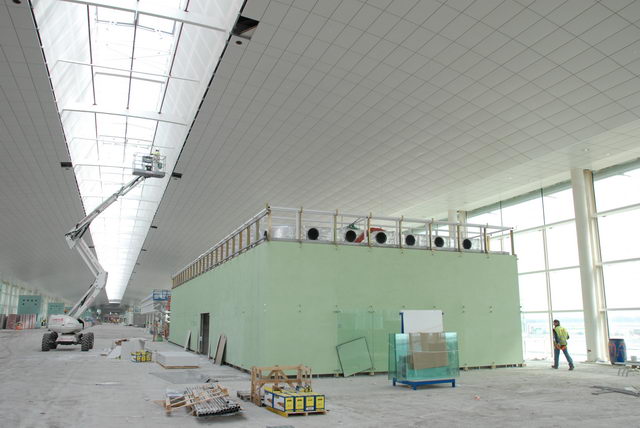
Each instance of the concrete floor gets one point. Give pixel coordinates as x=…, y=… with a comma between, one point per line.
x=63, y=388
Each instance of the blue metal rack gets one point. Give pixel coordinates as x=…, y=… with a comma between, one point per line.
x=416, y=383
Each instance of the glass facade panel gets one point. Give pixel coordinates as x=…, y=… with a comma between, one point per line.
x=523, y=215
x=533, y=292
x=558, y=206
x=536, y=336
x=493, y=218
x=574, y=323
x=617, y=191
x=620, y=235
x=626, y=325
x=562, y=246
x=622, y=284
x=530, y=251
x=566, y=289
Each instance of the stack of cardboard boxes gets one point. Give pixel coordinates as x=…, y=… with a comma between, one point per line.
x=427, y=350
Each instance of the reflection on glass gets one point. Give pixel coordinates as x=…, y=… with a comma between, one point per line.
x=620, y=235
x=533, y=292
x=562, y=246
x=617, y=191
x=523, y=215
x=558, y=206
x=621, y=284
x=574, y=323
x=536, y=336
x=566, y=289
x=626, y=325
x=530, y=251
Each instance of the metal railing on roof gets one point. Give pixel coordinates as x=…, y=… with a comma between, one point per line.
x=338, y=228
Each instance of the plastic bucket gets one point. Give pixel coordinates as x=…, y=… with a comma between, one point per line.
x=617, y=351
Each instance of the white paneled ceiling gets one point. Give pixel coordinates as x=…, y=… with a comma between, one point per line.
x=397, y=107
x=38, y=200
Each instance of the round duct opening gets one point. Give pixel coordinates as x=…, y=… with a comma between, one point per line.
x=350, y=236
x=439, y=241
x=381, y=238
x=313, y=234
x=466, y=244
x=410, y=240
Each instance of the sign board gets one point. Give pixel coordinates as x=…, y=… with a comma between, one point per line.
x=421, y=321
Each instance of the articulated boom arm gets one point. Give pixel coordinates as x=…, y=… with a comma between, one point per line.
x=74, y=240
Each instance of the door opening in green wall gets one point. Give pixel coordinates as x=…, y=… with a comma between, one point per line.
x=203, y=340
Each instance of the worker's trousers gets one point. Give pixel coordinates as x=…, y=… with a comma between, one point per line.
x=556, y=356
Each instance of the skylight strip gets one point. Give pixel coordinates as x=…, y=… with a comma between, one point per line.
x=103, y=147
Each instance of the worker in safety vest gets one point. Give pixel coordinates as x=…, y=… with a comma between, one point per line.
x=157, y=160
x=560, y=338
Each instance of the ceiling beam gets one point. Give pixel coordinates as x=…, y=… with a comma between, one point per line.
x=157, y=12
x=150, y=115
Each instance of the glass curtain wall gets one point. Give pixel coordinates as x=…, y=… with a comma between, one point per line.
x=617, y=195
x=548, y=267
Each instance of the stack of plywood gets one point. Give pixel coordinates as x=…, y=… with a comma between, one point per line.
x=177, y=359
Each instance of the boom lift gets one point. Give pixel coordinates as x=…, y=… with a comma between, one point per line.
x=67, y=329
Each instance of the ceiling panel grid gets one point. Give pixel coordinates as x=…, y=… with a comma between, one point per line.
x=401, y=107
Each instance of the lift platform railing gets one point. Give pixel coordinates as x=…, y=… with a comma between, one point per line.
x=341, y=228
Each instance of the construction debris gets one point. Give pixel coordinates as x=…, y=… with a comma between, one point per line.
x=202, y=400
x=244, y=395
x=630, y=390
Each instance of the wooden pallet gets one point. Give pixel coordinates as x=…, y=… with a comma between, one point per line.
x=277, y=375
x=287, y=414
x=179, y=367
x=244, y=395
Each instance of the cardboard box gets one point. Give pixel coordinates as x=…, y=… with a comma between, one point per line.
x=288, y=400
x=427, y=350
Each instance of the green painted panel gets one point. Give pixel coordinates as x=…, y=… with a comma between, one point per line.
x=289, y=303
x=55, y=308
x=28, y=305
x=232, y=295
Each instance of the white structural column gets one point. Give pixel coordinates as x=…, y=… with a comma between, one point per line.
x=452, y=216
x=581, y=183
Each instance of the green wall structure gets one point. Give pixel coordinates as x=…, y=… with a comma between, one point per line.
x=55, y=308
x=293, y=303
x=28, y=305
